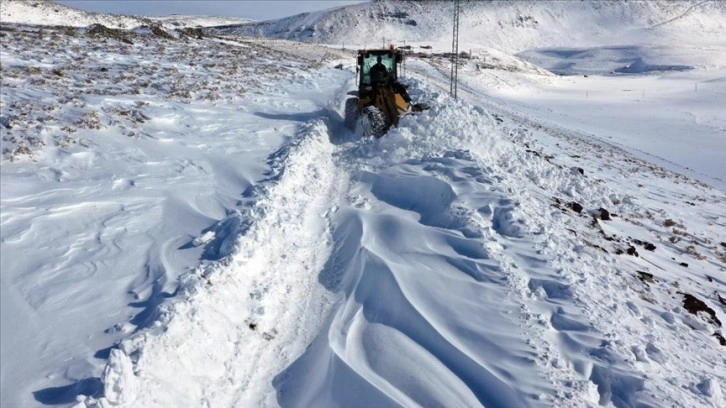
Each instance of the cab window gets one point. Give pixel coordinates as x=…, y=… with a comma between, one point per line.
x=370, y=60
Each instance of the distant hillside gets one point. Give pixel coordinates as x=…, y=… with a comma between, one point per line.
x=198, y=21
x=47, y=12
x=512, y=26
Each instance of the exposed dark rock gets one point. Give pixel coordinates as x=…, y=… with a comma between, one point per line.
x=695, y=305
x=683, y=264
x=647, y=245
x=645, y=277
x=159, y=32
x=720, y=338
x=576, y=207
x=590, y=244
x=192, y=32
x=604, y=214
x=103, y=31
x=631, y=251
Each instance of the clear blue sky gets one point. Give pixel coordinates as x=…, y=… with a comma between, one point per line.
x=252, y=9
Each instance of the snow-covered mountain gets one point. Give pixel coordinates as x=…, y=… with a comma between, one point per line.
x=511, y=26
x=185, y=220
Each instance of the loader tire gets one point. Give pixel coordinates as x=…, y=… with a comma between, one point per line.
x=373, y=122
x=351, y=113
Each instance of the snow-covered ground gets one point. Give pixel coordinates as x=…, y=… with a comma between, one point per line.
x=680, y=91
x=186, y=222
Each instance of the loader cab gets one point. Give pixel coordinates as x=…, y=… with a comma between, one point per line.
x=367, y=58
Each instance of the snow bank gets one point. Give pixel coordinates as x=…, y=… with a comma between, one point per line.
x=244, y=318
x=119, y=381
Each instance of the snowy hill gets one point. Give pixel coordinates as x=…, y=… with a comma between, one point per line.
x=511, y=26
x=198, y=21
x=185, y=220
x=47, y=12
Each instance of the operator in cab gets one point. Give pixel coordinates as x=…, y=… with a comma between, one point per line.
x=379, y=72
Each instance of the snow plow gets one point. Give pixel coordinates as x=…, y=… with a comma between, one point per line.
x=380, y=99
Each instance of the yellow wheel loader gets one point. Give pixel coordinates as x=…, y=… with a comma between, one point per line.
x=380, y=99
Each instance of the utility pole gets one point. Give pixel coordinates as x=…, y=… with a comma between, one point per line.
x=455, y=52
x=403, y=60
